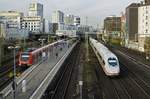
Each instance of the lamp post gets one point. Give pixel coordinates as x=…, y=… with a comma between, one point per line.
x=14, y=72
x=42, y=40
x=43, y=53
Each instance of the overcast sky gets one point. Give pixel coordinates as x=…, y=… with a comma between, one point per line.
x=95, y=10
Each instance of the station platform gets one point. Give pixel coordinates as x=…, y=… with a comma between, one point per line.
x=39, y=76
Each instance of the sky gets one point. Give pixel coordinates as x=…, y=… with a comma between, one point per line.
x=95, y=10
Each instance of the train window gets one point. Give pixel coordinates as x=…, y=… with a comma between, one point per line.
x=103, y=62
x=25, y=57
x=112, y=62
x=99, y=56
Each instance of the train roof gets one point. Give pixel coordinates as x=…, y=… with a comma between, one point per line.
x=25, y=53
x=30, y=49
x=103, y=50
x=37, y=50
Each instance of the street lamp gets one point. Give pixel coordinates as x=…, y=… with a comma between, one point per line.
x=14, y=73
x=43, y=53
x=42, y=40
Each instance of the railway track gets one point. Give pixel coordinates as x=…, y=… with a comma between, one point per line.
x=133, y=82
x=4, y=81
x=4, y=78
x=122, y=88
x=5, y=71
x=131, y=51
x=137, y=78
x=71, y=90
x=63, y=83
x=133, y=54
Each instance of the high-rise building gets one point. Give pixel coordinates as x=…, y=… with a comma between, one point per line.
x=132, y=21
x=123, y=29
x=69, y=19
x=147, y=2
x=2, y=30
x=77, y=20
x=143, y=25
x=2, y=36
x=48, y=27
x=57, y=17
x=112, y=26
x=11, y=18
x=35, y=9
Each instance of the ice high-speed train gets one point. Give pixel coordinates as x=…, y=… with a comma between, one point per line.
x=106, y=58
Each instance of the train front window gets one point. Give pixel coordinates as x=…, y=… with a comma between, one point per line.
x=24, y=57
x=112, y=62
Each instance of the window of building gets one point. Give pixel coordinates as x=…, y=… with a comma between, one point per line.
x=146, y=23
x=146, y=17
x=146, y=31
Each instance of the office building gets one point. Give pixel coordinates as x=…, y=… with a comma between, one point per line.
x=143, y=25
x=2, y=30
x=13, y=19
x=69, y=19
x=33, y=24
x=132, y=21
x=112, y=26
x=68, y=33
x=35, y=9
x=48, y=27
x=57, y=17
x=147, y=2
x=77, y=20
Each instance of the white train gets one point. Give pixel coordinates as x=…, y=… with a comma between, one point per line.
x=107, y=59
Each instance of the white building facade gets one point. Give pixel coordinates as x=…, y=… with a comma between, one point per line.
x=48, y=27
x=34, y=24
x=57, y=17
x=143, y=25
x=2, y=30
x=72, y=20
x=77, y=20
x=69, y=19
x=11, y=18
x=35, y=9
x=68, y=33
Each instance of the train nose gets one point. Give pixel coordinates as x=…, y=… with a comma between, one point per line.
x=114, y=70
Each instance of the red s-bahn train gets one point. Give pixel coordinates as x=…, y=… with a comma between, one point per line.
x=32, y=56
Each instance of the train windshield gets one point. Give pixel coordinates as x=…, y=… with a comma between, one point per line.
x=25, y=56
x=112, y=62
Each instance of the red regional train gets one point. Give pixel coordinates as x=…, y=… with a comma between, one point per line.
x=32, y=56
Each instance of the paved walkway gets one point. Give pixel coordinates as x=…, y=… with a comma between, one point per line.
x=35, y=78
